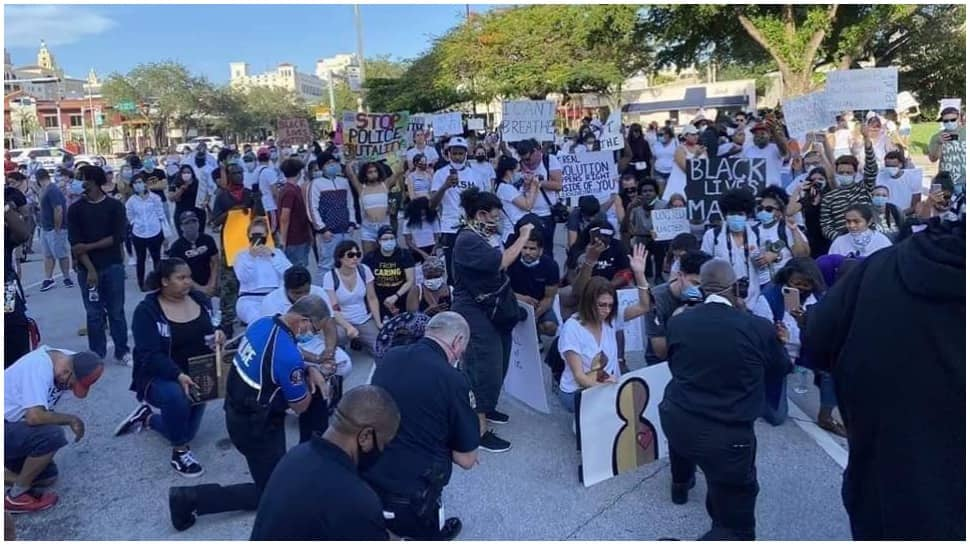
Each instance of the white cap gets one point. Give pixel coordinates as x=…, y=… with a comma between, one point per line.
x=107, y=169
x=690, y=129
x=458, y=142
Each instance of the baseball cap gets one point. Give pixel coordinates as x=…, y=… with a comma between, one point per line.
x=690, y=129
x=87, y=370
x=385, y=230
x=717, y=276
x=949, y=110
x=458, y=142
x=188, y=215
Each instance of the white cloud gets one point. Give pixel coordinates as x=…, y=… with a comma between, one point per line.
x=26, y=26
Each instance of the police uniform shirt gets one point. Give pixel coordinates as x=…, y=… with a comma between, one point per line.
x=269, y=361
x=437, y=417
x=315, y=493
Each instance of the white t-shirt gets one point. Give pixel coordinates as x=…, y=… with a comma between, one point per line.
x=663, y=155
x=794, y=344
x=423, y=235
x=267, y=176
x=735, y=256
x=485, y=169
x=773, y=158
x=430, y=155
x=29, y=382
x=542, y=208
x=843, y=245
x=278, y=303
x=575, y=338
x=353, y=304
x=451, y=202
x=902, y=189
x=511, y=211
x=260, y=274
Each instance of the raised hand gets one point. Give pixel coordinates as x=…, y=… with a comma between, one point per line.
x=638, y=261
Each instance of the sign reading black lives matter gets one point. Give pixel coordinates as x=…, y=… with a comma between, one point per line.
x=708, y=180
x=588, y=173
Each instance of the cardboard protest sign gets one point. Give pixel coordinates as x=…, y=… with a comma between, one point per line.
x=807, y=113
x=418, y=122
x=476, y=124
x=863, y=89
x=633, y=330
x=206, y=374
x=293, y=131
x=525, y=381
x=235, y=234
x=619, y=424
x=448, y=124
x=525, y=119
x=588, y=173
x=375, y=136
x=708, y=180
x=611, y=138
x=670, y=222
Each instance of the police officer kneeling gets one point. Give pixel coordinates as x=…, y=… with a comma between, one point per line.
x=315, y=492
x=438, y=426
x=719, y=355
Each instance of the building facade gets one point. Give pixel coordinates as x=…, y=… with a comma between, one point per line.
x=336, y=65
x=286, y=76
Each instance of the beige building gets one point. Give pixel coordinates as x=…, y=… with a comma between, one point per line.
x=337, y=65
x=40, y=80
x=286, y=76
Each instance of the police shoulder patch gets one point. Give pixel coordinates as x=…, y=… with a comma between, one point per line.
x=296, y=377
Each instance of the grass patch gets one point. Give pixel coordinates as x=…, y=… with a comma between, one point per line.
x=919, y=140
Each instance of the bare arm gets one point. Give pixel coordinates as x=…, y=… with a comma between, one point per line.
x=58, y=217
x=575, y=364
x=465, y=460
x=373, y=304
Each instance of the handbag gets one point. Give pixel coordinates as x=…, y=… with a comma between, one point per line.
x=501, y=306
x=560, y=212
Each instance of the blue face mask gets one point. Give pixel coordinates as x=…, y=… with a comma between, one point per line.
x=77, y=187
x=304, y=337
x=736, y=223
x=388, y=246
x=879, y=200
x=148, y=164
x=765, y=217
x=691, y=293
x=331, y=171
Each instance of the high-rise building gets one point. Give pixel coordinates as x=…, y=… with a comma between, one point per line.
x=286, y=76
x=44, y=80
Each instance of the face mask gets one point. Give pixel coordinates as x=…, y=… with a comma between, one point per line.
x=529, y=264
x=126, y=174
x=950, y=125
x=736, y=223
x=691, y=293
x=892, y=171
x=861, y=240
x=250, y=165
x=434, y=284
x=304, y=337
x=331, y=171
x=77, y=187
x=236, y=178
x=844, y=180
x=765, y=217
x=480, y=158
x=487, y=228
x=257, y=240
x=388, y=246
x=186, y=176
x=148, y=165
x=367, y=460
x=879, y=200
x=139, y=187
x=457, y=166
x=190, y=231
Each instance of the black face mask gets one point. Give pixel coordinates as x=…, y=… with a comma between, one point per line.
x=257, y=240
x=200, y=161
x=236, y=178
x=480, y=158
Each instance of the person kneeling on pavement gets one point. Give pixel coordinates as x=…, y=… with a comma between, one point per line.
x=535, y=282
x=438, y=427
x=32, y=432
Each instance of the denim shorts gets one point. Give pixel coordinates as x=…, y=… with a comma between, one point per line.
x=23, y=441
x=54, y=243
x=368, y=231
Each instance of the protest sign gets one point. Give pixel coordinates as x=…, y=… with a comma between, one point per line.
x=807, y=113
x=448, y=124
x=525, y=119
x=418, y=122
x=611, y=138
x=293, y=131
x=588, y=173
x=525, y=381
x=619, y=426
x=708, y=180
x=375, y=136
x=206, y=373
x=476, y=124
x=669, y=222
x=863, y=89
x=633, y=339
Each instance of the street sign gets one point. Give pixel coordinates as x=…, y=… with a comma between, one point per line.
x=353, y=78
x=322, y=113
x=125, y=106
x=98, y=117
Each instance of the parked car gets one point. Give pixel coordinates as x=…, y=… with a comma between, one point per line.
x=51, y=158
x=210, y=142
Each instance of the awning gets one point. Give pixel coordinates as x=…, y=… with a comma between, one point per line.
x=694, y=98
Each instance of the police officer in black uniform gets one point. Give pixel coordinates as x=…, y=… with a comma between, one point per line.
x=439, y=427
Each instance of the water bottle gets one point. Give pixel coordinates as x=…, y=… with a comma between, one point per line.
x=216, y=317
x=93, y=294
x=803, y=378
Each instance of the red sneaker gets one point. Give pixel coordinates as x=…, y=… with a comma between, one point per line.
x=27, y=503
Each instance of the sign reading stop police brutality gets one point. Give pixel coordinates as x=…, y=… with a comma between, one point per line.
x=293, y=132
x=708, y=180
x=588, y=173
x=375, y=136
x=525, y=119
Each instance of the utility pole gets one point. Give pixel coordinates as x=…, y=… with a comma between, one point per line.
x=333, y=103
x=360, y=54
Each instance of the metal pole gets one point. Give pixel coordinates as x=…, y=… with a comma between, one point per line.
x=84, y=133
x=94, y=122
x=360, y=53
x=333, y=103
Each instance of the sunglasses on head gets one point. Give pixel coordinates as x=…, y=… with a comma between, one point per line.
x=352, y=254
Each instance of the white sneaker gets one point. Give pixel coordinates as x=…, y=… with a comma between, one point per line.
x=127, y=360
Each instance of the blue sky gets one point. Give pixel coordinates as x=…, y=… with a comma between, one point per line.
x=206, y=38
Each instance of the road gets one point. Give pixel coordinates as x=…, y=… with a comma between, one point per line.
x=116, y=488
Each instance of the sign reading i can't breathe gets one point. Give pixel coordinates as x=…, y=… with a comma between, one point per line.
x=525, y=119
x=588, y=173
x=374, y=136
x=708, y=180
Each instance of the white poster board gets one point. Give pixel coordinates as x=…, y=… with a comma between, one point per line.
x=670, y=222
x=418, y=122
x=863, y=89
x=611, y=138
x=448, y=124
x=619, y=424
x=633, y=330
x=525, y=119
x=525, y=381
x=807, y=113
x=476, y=124
x=588, y=173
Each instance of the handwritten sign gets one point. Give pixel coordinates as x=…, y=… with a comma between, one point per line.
x=525, y=119
x=807, y=113
x=670, y=222
x=863, y=89
x=611, y=138
x=418, y=123
x=633, y=330
x=905, y=101
x=293, y=132
x=708, y=180
x=525, y=381
x=448, y=124
x=476, y=124
x=374, y=136
x=588, y=173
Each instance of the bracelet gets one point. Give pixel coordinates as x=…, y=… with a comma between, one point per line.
x=645, y=288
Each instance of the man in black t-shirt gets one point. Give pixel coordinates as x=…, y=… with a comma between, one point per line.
x=535, y=281
x=199, y=250
x=393, y=270
x=16, y=231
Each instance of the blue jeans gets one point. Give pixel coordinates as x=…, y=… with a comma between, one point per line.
x=179, y=420
x=298, y=254
x=568, y=400
x=826, y=389
x=325, y=251
x=111, y=293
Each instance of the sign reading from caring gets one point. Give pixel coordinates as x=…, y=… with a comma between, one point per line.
x=374, y=136
x=708, y=180
x=525, y=381
x=525, y=119
x=863, y=89
x=293, y=131
x=588, y=173
x=669, y=222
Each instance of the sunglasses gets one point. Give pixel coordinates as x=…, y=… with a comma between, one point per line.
x=950, y=120
x=352, y=255
x=766, y=209
x=604, y=305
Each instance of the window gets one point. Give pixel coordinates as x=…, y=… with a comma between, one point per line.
x=50, y=121
x=76, y=120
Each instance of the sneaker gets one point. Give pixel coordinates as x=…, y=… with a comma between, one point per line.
x=496, y=417
x=493, y=443
x=678, y=492
x=68, y=283
x=181, y=507
x=450, y=530
x=47, y=285
x=186, y=465
x=136, y=421
x=126, y=360
x=29, y=503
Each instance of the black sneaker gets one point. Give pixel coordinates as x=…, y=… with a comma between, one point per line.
x=450, y=530
x=678, y=492
x=493, y=443
x=181, y=507
x=47, y=285
x=136, y=421
x=68, y=283
x=185, y=464
x=496, y=417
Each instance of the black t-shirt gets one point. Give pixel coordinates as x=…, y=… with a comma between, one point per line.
x=188, y=339
x=389, y=271
x=476, y=265
x=532, y=281
x=613, y=260
x=187, y=202
x=437, y=417
x=315, y=494
x=197, y=255
x=89, y=222
x=224, y=201
x=14, y=304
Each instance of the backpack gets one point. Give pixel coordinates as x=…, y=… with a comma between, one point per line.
x=336, y=277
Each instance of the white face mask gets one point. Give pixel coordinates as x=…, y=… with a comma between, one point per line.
x=892, y=171
x=844, y=180
x=434, y=284
x=950, y=125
